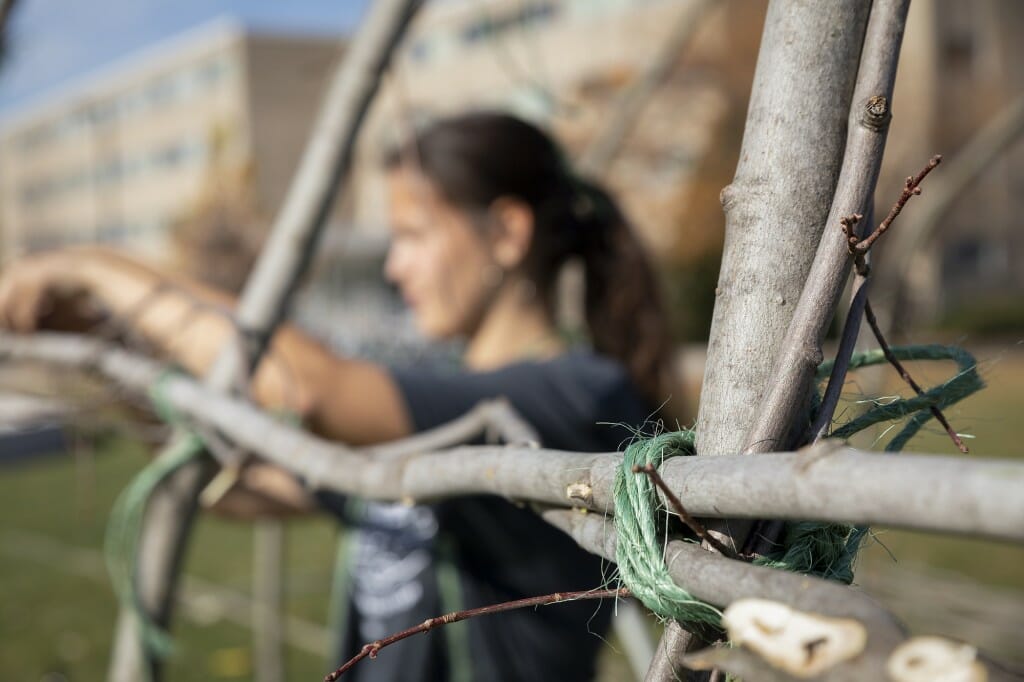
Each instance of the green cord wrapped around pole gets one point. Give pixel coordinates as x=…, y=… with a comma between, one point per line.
x=639, y=547
x=823, y=549
x=826, y=550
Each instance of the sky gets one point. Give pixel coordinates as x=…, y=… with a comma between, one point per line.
x=55, y=41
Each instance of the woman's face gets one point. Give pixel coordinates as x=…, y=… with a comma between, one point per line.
x=439, y=260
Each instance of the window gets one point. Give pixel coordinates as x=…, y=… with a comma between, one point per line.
x=212, y=71
x=420, y=50
x=161, y=92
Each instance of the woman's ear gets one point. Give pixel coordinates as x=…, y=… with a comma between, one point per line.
x=511, y=232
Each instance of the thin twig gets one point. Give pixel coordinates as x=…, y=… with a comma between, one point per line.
x=911, y=188
x=859, y=251
x=936, y=412
x=677, y=506
x=373, y=648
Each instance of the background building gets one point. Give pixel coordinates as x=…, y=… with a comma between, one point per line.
x=185, y=152
x=126, y=154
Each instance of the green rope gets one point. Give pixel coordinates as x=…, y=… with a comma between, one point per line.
x=965, y=382
x=125, y=523
x=826, y=550
x=638, y=546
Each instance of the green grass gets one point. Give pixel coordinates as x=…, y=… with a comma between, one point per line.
x=993, y=418
x=57, y=613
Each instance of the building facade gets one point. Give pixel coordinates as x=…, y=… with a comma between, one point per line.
x=125, y=154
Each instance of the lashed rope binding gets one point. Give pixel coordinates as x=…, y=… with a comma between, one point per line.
x=826, y=550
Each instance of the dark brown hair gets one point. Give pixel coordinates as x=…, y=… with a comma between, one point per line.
x=474, y=159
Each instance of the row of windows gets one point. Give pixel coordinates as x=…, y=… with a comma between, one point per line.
x=156, y=93
x=483, y=27
x=115, y=170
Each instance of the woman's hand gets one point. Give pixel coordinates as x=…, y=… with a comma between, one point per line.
x=47, y=290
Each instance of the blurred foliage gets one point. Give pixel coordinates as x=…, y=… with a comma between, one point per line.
x=690, y=297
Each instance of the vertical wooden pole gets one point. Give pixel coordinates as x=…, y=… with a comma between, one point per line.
x=268, y=600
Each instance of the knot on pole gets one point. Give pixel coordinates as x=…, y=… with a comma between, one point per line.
x=640, y=548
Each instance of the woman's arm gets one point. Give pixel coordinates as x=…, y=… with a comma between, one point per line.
x=349, y=400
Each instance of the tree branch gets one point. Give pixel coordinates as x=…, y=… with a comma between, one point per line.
x=797, y=120
x=992, y=140
x=911, y=189
x=826, y=482
x=628, y=108
x=836, y=379
x=372, y=649
x=677, y=506
x=668, y=662
x=262, y=305
x=721, y=581
x=868, y=126
x=905, y=375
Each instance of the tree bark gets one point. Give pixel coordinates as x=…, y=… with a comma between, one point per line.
x=870, y=114
x=720, y=581
x=775, y=209
x=262, y=305
x=776, y=206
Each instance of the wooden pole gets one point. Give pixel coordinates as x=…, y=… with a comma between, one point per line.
x=263, y=304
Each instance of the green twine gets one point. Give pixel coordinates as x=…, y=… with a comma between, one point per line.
x=125, y=523
x=638, y=547
x=965, y=382
x=826, y=550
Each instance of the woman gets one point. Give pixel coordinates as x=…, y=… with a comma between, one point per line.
x=485, y=212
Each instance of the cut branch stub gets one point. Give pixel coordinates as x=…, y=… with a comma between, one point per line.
x=801, y=644
x=876, y=113
x=935, y=659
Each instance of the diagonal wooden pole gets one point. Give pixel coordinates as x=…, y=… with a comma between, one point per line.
x=629, y=107
x=263, y=304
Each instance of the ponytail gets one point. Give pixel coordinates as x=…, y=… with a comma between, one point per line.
x=622, y=303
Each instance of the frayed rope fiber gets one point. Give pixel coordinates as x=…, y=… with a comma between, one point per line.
x=826, y=550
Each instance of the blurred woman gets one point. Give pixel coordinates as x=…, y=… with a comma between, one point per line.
x=485, y=211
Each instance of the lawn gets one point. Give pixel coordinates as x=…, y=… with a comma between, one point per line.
x=57, y=612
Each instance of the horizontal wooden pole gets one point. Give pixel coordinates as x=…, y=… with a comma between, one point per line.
x=828, y=482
